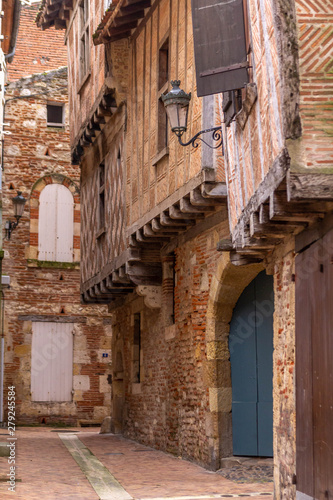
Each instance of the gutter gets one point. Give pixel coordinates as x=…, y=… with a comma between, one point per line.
x=16, y=22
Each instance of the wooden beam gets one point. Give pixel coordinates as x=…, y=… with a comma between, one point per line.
x=59, y=24
x=281, y=209
x=303, y=186
x=128, y=9
x=122, y=29
x=176, y=214
x=157, y=227
x=243, y=260
x=186, y=207
x=268, y=229
x=149, y=233
x=128, y=18
x=165, y=220
x=225, y=246
x=217, y=190
x=199, y=201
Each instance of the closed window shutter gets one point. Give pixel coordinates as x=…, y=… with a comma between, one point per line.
x=55, y=226
x=219, y=45
x=52, y=361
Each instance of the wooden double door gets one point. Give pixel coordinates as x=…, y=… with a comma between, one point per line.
x=314, y=371
x=251, y=356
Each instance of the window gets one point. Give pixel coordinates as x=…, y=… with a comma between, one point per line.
x=55, y=224
x=84, y=39
x=52, y=362
x=101, y=196
x=55, y=115
x=163, y=82
x=137, y=349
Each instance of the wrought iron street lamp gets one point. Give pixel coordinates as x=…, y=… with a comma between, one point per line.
x=176, y=104
x=18, y=203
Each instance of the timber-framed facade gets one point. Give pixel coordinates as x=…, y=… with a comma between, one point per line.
x=180, y=306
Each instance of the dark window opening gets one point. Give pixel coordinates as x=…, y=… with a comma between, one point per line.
x=137, y=349
x=101, y=200
x=84, y=39
x=163, y=83
x=163, y=64
x=55, y=115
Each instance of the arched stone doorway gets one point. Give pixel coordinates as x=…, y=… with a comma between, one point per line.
x=227, y=285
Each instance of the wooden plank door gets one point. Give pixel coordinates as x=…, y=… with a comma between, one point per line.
x=314, y=372
x=251, y=356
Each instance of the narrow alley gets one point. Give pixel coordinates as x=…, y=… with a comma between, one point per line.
x=109, y=467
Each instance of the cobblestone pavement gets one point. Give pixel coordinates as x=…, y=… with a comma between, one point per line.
x=46, y=469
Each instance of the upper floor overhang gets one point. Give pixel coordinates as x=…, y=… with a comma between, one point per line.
x=197, y=206
x=286, y=203
x=121, y=18
x=54, y=13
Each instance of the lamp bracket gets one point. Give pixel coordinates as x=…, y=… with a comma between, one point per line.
x=216, y=136
x=11, y=225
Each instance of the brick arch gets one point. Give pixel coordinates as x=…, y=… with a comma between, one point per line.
x=36, y=190
x=227, y=285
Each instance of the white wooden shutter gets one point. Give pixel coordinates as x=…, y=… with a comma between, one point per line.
x=52, y=361
x=55, y=225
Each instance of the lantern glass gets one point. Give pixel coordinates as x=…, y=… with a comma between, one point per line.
x=176, y=104
x=18, y=203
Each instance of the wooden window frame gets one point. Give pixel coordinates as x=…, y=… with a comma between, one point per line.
x=56, y=124
x=163, y=88
x=84, y=40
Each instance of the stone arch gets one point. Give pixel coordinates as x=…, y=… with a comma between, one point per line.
x=227, y=285
x=36, y=190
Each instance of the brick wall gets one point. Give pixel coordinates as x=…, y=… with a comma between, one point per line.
x=36, y=51
x=170, y=407
x=35, y=156
x=314, y=151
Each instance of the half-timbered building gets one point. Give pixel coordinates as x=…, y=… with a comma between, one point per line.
x=212, y=261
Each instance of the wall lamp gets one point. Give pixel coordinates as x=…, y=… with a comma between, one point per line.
x=18, y=203
x=176, y=104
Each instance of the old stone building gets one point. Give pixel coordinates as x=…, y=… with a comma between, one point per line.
x=57, y=349
x=198, y=253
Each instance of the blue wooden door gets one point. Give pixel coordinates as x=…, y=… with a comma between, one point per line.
x=251, y=356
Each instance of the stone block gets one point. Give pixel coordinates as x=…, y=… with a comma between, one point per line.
x=81, y=382
x=4, y=449
x=106, y=426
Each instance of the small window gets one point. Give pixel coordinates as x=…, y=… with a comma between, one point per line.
x=55, y=115
x=137, y=349
x=163, y=82
x=84, y=39
x=101, y=202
